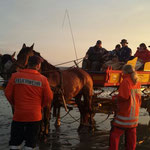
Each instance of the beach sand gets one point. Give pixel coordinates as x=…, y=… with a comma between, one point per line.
x=67, y=138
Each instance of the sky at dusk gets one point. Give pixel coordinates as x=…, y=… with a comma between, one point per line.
x=40, y=22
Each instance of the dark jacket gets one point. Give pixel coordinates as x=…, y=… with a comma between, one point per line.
x=124, y=54
x=95, y=53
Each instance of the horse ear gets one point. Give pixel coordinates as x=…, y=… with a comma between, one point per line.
x=13, y=55
x=32, y=46
x=24, y=46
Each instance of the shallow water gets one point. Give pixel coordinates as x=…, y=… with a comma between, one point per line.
x=67, y=137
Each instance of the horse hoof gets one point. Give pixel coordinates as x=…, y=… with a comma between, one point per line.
x=57, y=124
x=85, y=129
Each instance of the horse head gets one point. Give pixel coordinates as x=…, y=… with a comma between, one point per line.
x=9, y=66
x=24, y=54
x=6, y=62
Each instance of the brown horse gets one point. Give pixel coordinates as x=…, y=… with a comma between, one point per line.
x=6, y=62
x=9, y=65
x=22, y=58
x=73, y=83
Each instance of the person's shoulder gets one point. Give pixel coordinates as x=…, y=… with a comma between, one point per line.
x=15, y=74
x=42, y=76
x=104, y=49
x=128, y=48
x=91, y=48
x=126, y=79
x=147, y=51
x=44, y=79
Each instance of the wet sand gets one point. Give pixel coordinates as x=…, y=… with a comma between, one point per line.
x=67, y=138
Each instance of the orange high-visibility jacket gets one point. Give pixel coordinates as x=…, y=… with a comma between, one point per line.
x=28, y=91
x=128, y=101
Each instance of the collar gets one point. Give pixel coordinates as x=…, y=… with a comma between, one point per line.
x=29, y=71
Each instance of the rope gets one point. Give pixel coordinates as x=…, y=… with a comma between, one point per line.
x=67, y=15
x=76, y=64
x=81, y=59
x=70, y=122
x=105, y=119
x=68, y=62
x=68, y=113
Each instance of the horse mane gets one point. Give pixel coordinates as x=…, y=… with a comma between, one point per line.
x=45, y=65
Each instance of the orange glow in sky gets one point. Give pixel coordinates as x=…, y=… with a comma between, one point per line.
x=40, y=22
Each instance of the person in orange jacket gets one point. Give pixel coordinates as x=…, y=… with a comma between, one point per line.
x=127, y=113
x=28, y=92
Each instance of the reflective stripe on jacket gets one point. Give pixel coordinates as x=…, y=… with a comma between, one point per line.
x=28, y=91
x=128, y=101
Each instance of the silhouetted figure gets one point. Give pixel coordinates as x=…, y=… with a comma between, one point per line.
x=94, y=57
x=115, y=52
x=125, y=52
x=143, y=55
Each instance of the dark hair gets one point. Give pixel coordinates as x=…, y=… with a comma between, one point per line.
x=118, y=46
x=34, y=60
x=143, y=45
x=124, y=41
x=99, y=42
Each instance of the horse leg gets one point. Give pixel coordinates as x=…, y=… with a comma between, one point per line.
x=80, y=107
x=46, y=119
x=57, y=122
x=88, y=113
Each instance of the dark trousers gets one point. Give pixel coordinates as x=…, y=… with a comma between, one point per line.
x=91, y=65
x=130, y=138
x=27, y=131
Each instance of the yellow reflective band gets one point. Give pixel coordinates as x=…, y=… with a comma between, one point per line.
x=127, y=118
x=28, y=82
x=126, y=123
x=15, y=147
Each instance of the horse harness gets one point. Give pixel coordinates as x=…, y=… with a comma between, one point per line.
x=59, y=95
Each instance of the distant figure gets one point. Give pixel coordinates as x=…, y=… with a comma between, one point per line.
x=94, y=57
x=113, y=61
x=143, y=55
x=125, y=52
x=127, y=112
x=28, y=92
x=115, y=52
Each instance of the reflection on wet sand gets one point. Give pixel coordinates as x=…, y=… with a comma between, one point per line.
x=67, y=138
x=143, y=137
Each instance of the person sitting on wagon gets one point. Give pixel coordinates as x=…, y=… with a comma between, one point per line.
x=115, y=52
x=113, y=63
x=143, y=55
x=127, y=112
x=125, y=52
x=94, y=57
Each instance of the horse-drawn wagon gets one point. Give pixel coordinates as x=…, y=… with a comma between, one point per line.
x=74, y=83
x=106, y=84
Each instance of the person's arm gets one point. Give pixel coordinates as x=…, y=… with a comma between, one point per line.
x=9, y=90
x=47, y=94
x=136, y=54
x=128, y=54
x=87, y=53
x=86, y=56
